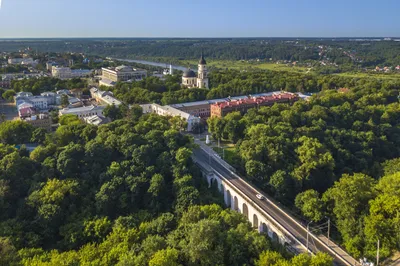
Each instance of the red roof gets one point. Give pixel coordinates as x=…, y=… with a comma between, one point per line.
x=27, y=111
x=256, y=100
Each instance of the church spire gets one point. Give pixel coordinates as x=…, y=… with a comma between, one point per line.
x=202, y=60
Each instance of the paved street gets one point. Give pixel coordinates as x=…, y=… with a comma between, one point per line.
x=299, y=232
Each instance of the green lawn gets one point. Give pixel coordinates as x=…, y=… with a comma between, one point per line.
x=370, y=75
x=230, y=153
x=249, y=65
x=243, y=65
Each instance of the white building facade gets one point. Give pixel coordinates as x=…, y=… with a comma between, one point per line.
x=202, y=74
x=191, y=80
x=123, y=73
x=61, y=72
x=82, y=112
x=105, y=97
x=167, y=110
x=39, y=102
x=22, y=61
x=67, y=73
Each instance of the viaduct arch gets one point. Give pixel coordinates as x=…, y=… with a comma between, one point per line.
x=237, y=202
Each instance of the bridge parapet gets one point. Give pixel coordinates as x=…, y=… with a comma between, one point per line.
x=257, y=217
x=262, y=220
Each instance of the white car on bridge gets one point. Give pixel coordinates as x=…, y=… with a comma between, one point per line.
x=260, y=197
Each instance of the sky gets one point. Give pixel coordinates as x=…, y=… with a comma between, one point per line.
x=205, y=18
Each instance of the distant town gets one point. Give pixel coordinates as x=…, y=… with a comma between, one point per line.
x=89, y=107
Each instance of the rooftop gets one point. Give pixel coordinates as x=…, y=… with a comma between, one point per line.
x=122, y=68
x=27, y=111
x=108, y=81
x=189, y=74
x=81, y=109
x=96, y=120
x=213, y=101
x=168, y=110
x=202, y=61
x=256, y=100
x=111, y=100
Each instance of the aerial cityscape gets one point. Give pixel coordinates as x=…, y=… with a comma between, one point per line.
x=171, y=133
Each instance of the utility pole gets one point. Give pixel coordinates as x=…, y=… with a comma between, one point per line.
x=377, y=254
x=329, y=227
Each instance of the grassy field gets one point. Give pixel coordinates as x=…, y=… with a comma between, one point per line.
x=249, y=65
x=244, y=65
x=229, y=154
x=370, y=75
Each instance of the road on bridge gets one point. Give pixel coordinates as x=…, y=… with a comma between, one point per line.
x=300, y=232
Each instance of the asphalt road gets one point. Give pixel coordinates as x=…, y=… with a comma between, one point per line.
x=299, y=232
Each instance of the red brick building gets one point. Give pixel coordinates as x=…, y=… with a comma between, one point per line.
x=223, y=108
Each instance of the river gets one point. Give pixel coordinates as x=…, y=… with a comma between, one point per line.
x=157, y=64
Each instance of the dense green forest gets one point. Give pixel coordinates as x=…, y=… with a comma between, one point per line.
x=125, y=193
x=224, y=83
x=365, y=53
x=37, y=86
x=232, y=83
x=335, y=156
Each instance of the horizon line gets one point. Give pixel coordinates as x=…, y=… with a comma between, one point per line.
x=249, y=37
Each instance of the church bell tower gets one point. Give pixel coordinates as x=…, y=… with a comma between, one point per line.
x=202, y=76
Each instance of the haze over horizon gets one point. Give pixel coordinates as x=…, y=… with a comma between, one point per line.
x=186, y=19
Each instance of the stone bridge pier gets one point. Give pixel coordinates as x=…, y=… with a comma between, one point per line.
x=240, y=203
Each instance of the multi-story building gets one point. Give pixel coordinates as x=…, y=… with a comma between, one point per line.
x=26, y=111
x=81, y=73
x=122, y=73
x=76, y=92
x=61, y=72
x=67, y=73
x=22, y=61
x=202, y=108
x=243, y=105
x=38, y=102
x=74, y=102
x=49, y=65
x=104, y=97
x=6, y=79
x=52, y=98
x=5, y=84
x=171, y=111
x=63, y=91
x=199, y=108
x=96, y=120
x=24, y=94
x=82, y=112
x=41, y=120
